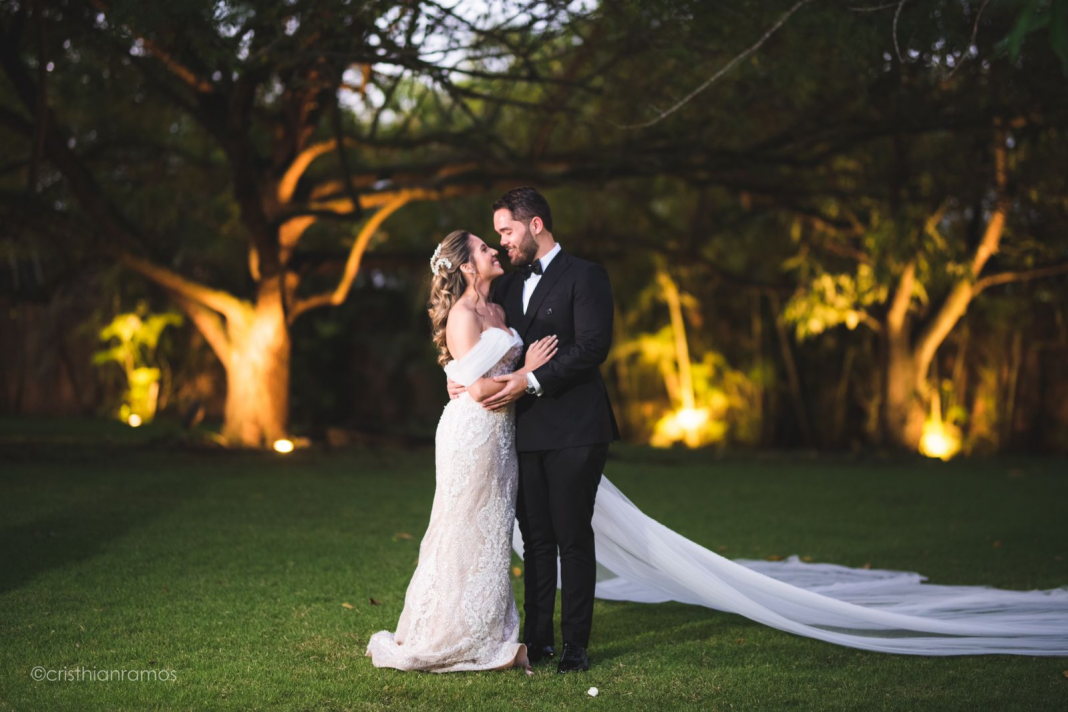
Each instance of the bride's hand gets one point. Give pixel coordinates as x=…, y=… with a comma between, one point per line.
x=455, y=389
x=540, y=352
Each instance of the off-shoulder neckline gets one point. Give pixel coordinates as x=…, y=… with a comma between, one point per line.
x=509, y=330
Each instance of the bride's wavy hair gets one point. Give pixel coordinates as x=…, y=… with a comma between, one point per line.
x=446, y=286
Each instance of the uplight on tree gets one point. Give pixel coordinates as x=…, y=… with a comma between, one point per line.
x=940, y=439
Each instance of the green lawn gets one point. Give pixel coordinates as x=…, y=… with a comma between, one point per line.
x=123, y=551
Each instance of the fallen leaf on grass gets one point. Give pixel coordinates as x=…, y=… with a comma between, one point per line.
x=516, y=571
x=375, y=603
x=740, y=641
x=347, y=605
x=402, y=535
x=1065, y=673
x=865, y=566
x=997, y=544
x=806, y=558
x=773, y=557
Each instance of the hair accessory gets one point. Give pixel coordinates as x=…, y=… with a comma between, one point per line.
x=437, y=262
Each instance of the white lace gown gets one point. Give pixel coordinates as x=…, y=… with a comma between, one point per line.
x=459, y=610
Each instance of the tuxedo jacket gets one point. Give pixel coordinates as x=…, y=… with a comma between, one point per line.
x=573, y=299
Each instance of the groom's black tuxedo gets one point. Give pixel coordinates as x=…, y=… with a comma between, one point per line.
x=573, y=300
x=562, y=437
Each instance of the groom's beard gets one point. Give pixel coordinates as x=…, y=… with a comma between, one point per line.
x=525, y=252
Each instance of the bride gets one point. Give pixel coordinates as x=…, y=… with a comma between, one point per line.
x=459, y=611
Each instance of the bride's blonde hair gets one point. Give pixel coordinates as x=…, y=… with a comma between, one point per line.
x=446, y=286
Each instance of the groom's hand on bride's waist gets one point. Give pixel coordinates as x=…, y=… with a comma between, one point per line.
x=515, y=386
x=455, y=389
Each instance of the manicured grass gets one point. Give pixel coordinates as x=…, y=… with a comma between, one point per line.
x=231, y=570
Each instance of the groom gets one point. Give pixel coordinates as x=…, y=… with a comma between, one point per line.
x=564, y=421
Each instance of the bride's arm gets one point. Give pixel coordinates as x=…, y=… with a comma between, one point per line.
x=462, y=332
x=483, y=388
x=540, y=352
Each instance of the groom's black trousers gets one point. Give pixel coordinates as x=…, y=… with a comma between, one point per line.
x=557, y=489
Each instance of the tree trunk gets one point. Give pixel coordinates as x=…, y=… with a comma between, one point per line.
x=257, y=395
x=792, y=377
x=903, y=409
x=840, y=402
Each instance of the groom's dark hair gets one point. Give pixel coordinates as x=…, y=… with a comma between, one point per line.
x=525, y=204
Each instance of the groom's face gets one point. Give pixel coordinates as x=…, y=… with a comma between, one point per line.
x=516, y=238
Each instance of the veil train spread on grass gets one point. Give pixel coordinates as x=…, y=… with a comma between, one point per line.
x=885, y=611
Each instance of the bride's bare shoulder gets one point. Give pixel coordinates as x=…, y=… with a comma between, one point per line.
x=463, y=326
x=462, y=317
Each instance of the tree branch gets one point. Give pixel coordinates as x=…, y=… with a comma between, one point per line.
x=186, y=75
x=352, y=266
x=897, y=47
x=229, y=306
x=726, y=68
x=1021, y=276
x=873, y=323
x=975, y=31
x=209, y=324
x=378, y=200
x=956, y=303
x=994, y=229
x=339, y=136
x=899, y=307
x=287, y=185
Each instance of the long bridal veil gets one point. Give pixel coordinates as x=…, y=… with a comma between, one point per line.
x=886, y=611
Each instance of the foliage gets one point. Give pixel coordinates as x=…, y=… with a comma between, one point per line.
x=808, y=173
x=134, y=338
x=1037, y=15
x=829, y=300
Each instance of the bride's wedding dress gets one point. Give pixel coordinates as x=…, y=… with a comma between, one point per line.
x=639, y=559
x=460, y=613
x=459, y=610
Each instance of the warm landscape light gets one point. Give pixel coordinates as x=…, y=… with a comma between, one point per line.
x=283, y=446
x=134, y=420
x=692, y=418
x=938, y=440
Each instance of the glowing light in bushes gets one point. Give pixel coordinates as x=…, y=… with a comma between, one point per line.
x=939, y=440
x=690, y=419
x=134, y=420
x=283, y=446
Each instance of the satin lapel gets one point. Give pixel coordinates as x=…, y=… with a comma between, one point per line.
x=513, y=305
x=556, y=268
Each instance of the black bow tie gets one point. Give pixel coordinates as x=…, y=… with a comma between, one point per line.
x=533, y=268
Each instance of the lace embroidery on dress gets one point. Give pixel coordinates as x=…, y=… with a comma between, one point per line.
x=459, y=611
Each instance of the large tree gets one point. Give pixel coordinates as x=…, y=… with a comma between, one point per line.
x=188, y=140
x=307, y=116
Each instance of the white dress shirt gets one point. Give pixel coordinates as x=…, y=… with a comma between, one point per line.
x=528, y=288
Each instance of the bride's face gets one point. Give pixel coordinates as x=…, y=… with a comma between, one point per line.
x=484, y=259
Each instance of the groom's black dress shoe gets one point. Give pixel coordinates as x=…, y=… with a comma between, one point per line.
x=573, y=659
x=537, y=653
